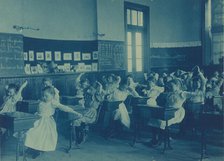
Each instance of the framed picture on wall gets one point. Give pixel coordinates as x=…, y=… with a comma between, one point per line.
x=94, y=66
x=48, y=56
x=88, y=68
x=77, y=56
x=25, y=56
x=67, y=56
x=31, y=55
x=57, y=56
x=95, y=55
x=86, y=56
x=39, y=55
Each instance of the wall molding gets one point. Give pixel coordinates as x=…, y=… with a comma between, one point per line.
x=175, y=44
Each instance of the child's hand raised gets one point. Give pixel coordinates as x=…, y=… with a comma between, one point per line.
x=24, y=84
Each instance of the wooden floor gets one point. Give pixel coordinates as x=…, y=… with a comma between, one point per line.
x=98, y=149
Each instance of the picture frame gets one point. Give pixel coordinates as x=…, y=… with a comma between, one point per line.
x=57, y=56
x=86, y=56
x=48, y=56
x=31, y=55
x=39, y=56
x=94, y=66
x=25, y=56
x=95, y=55
x=88, y=68
x=67, y=56
x=77, y=56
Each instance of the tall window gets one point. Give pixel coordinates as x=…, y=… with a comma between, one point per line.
x=136, y=36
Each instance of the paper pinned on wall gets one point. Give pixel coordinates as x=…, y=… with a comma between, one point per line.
x=88, y=68
x=25, y=56
x=77, y=56
x=94, y=66
x=57, y=56
x=31, y=55
x=48, y=56
x=67, y=56
x=86, y=56
x=39, y=55
x=95, y=55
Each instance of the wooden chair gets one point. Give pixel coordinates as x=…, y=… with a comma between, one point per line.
x=106, y=118
x=87, y=125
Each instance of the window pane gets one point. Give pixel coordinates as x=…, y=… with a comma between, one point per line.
x=129, y=52
x=129, y=38
x=128, y=16
x=134, y=17
x=140, y=18
x=138, y=65
x=139, y=52
x=138, y=37
x=129, y=65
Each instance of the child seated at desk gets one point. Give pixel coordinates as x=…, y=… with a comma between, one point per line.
x=172, y=98
x=91, y=103
x=13, y=95
x=43, y=136
x=120, y=94
x=153, y=91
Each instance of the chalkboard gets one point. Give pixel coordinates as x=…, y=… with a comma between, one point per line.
x=11, y=54
x=176, y=57
x=111, y=55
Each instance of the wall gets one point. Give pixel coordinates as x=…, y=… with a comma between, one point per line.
x=56, y=19
x=110, y=19
x=175, y=21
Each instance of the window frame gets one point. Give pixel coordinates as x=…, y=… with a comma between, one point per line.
x=145, y=35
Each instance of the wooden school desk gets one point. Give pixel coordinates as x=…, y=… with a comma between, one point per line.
x=17, y=122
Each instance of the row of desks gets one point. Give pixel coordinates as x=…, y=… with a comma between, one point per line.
x=20, y=121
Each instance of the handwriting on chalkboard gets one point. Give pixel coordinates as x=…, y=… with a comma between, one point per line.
x=11, y=54
x=111, y=55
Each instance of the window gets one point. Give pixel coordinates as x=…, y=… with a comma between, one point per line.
x=136, y=36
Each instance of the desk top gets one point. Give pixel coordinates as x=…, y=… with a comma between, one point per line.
x=19, y=115
x=156, y=107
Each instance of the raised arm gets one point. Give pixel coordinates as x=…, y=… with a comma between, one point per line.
x=203, y=81
x=22, y=87
x=18, y=96
x=66, y=108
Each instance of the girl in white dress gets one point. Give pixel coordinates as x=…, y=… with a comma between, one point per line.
x=43, y=136
x=153, y=91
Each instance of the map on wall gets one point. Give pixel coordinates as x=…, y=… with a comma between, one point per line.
x=11, y=54
x=111, y=55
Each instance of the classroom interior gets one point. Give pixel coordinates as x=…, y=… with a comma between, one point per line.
x=111, y=61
